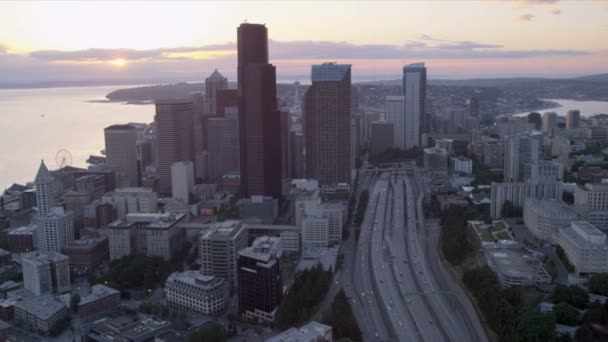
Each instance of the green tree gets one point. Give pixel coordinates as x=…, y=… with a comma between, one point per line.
x=213, y=333
x=532, y=326
x=340, y=317
x=74, y=301
x=572, y=294
x=566, y=314
x=598, y=284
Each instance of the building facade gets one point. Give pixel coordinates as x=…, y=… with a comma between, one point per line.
x=223, y=143
x=585, y=246
x=544, y=217
x=121, y=154
x=219, y=248
x=204, y=294
x=414, y=93
x=182, y=180
x=395, y=114
x=45, y=272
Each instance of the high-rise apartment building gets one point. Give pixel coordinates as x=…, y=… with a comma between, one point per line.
x=223, y=144
x=213, y=83
x=549, y=123
x=472, y=106
x=520, y=150
x=121, y=154
x=259, y=118
x=327, y=124
x=414, y=92
x=182, y=180
x=260, y=284
x=573, y=119
x=219, y=248
x=395, y=113
x=174, y=137
x=55, y=226
x=45, y=272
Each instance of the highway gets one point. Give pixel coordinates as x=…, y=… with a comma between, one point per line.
x=400, y=291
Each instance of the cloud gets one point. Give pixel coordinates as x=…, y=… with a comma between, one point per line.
x=3, y=48
x=540, y=2
x=556, y=11
x=525, y=17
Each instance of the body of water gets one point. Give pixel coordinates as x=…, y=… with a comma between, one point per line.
x=36, y=123
x=587, y=108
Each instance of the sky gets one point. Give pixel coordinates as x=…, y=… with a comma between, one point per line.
x=111, y=40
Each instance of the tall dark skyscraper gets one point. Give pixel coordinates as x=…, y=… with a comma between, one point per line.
x=327, y=124
x=259, y=118
x=414, y=93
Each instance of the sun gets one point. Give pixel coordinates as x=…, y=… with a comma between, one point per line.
x=119, y=62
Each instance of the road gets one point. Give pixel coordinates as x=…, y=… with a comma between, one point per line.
x=398, y=288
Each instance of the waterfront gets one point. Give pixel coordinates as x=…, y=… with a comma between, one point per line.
x=36, y=123
x=587, y=108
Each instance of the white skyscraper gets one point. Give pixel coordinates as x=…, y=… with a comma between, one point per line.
x=182, y=180
x=395, y=114
x=414, y=92
x=521, y=150
x=45, y=272
x=55, y=226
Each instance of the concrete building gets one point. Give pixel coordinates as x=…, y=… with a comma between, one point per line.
x=308, y=204
x=289, y=235
x=98, y=214
x=549, y=170
x=190, y=290
x=549, y=123
x=174, y=137
x=86, y=255
x=264, y=208
x=45, y=272
x=219, y=248
x=22, y=239
x=102, y=300
x=446, y=144
x=55, y=226
x=414, y=93
x=327, y=124
x=521, y=150
x=310, y=332
x=182, y=180
x=213, y=83
x=516, y=193
x=260, y=283
x=149, y=234
x=544, y=217
x=515, y=268
x=132, y=200
x=223, y=144
x=121, y=154
x=259, y=118
x=382, y=137
x=395, y=114
x=127, y=328
x=40, y=314
x=493, y=152
x=435, y=160
x=573, y=119
x=591, y=201
x=585, y=246
x=315, y=230
x=462, y=165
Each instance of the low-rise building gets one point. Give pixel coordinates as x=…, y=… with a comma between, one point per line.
x=7, y=309
x=517, y=192
x=40, y=314
x=127, y=329
x=190, y=290
x=86, y=254
x=101, y=300
x=513, y=267
x=311, y=332
x=462, y=165
x=544, y=217
x=585, y=246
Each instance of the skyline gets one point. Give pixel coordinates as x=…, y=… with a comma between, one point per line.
x=67, y=41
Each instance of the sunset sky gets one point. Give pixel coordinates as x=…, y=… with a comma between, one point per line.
x=44, y=41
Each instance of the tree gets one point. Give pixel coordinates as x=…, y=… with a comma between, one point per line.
x=533, y=326
x=509, y=210
x=572, y=294
x=598, y=284
x=566, y=314
x=213, y=333
x=340, y=317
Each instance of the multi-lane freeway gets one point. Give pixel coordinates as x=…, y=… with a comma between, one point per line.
x=397, y=285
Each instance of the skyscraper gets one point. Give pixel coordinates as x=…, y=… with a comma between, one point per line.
x=573, y=119
x=55, y=226
x=259, y=118
x=327, y=124
x=182, y=180
x=549, y=123
x=521, y=150
x=223, y=142
x=174, y=137
x=472, y=104
x=121, y=154
x=414, y=92
x=213, y=83
x=395, y=114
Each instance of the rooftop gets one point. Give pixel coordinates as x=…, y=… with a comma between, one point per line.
x=328, y=72
x=38, y=257
x=513, y=263
x=97, y=292
x=24, y=230
x=120, y=128
x=43, y=307
x=552, y=207
x=419, y=65
x=195, y=278
x=263, y=248
x=43, y=175
x=223, y=230
x=584, y=234
x=309, y=332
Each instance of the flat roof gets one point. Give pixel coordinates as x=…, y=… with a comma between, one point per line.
x=513, y=263
x=39, y=257
x=98, y=291
x=43, y=306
